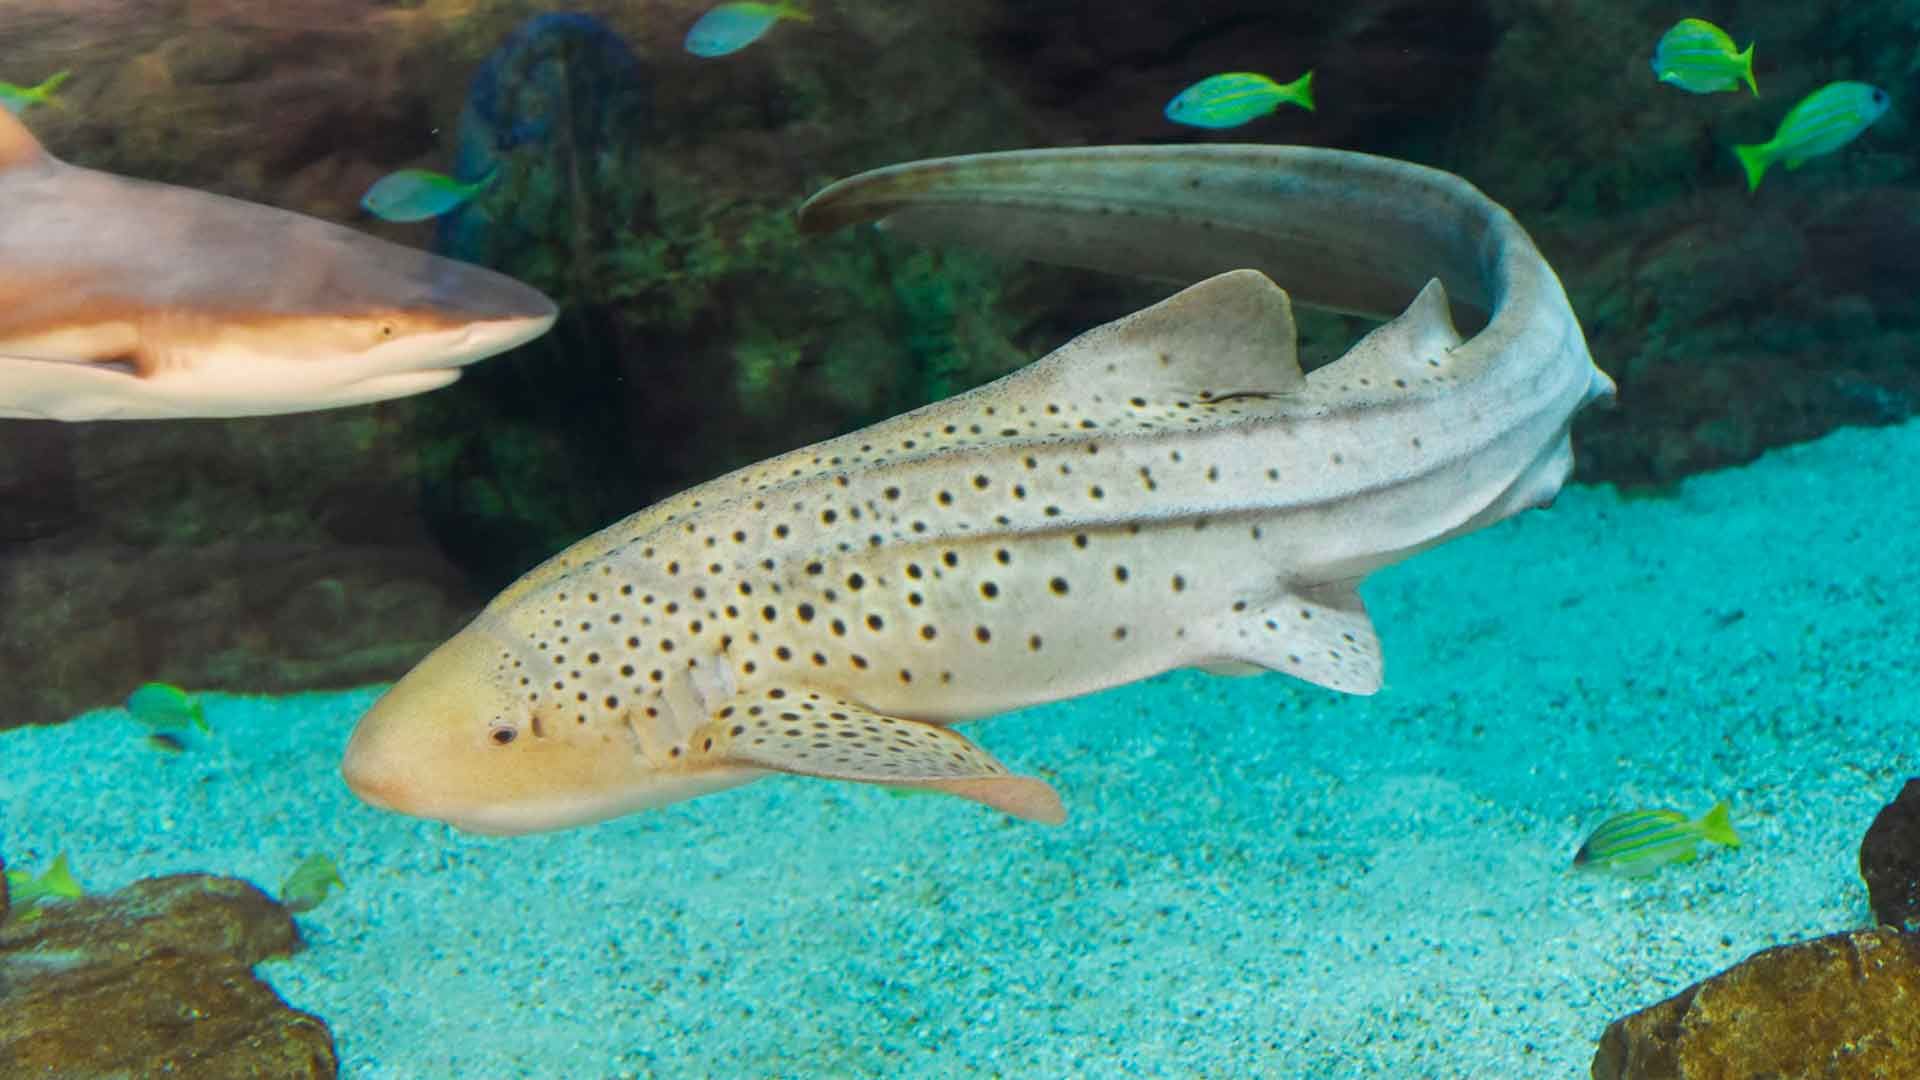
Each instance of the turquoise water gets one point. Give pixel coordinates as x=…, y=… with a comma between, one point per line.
x=1255, y=877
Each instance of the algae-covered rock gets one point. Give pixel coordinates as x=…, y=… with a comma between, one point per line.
x=1890, y=860
x=1835, y=1007
x=155, y=980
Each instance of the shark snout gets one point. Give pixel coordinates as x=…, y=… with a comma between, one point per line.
x=500, y=335
x=373, y=769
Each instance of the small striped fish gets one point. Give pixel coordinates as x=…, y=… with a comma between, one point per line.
x=1224, y=101
x=1699, y=57
x=1641, y=841
x=1824, y=121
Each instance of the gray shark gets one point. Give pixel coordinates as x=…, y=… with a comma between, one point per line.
x=1165, y=491
x=126, y=299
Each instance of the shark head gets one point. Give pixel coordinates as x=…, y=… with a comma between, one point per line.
x=124, y=299
x=457, y=740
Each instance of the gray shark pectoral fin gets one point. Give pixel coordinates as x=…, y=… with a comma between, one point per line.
x=1320, y=634
x=58, y=388
x=808, y=733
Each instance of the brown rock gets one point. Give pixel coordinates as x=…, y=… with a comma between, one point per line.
x=1890, y=860
x=155, y=980
x=1838, y=1007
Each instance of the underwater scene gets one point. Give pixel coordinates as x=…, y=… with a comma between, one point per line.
x=842, y=538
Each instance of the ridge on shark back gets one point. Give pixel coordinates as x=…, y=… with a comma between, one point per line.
x=128, y=299
x=1167, y=490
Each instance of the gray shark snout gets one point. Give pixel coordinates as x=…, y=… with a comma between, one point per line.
x=464, y=290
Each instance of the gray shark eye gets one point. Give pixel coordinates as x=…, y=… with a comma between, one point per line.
x=386, y=330
x=502, y=734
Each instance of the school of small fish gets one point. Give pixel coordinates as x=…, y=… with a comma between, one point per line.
x=1700, y=58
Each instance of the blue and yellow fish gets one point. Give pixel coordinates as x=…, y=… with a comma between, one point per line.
x=1642, y=841
x=1232, y=99
x=310, y=883
x=25, y=893
x=17, y=99
x=1700, y=58
x=732, y=27
x=418, y=194
x=166, y=707
x=1824, y=121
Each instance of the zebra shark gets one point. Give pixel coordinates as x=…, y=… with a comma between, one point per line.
x=1168, y=490
x=127, y=299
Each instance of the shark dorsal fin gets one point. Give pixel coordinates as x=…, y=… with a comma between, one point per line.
x=1230, y=334
x=1417, y=342
x=17, y=144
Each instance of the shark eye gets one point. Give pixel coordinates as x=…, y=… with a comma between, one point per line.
x=502, y=734
x=386, y=330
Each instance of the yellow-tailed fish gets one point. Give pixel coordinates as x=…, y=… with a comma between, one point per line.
x=1232, y=99
x=310, y=883
x=166, y=707
x=1700, y=58
x=1824, y=121
x=26, y=893
x=17, y=99
x=419, y=194
x=1642, y=841
x=732, y=27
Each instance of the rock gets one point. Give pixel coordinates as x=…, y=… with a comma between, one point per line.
x=1839, y=1006
x=1890, y=861
x=155, y=980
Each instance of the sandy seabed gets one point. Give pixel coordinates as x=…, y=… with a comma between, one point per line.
x=1257, y=877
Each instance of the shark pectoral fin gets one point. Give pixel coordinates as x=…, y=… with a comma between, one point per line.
x=59, y=388
x=808, y=733
x=1320, y=634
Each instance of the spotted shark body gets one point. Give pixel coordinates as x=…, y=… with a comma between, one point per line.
x=1168, y=490
x=125, y=299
